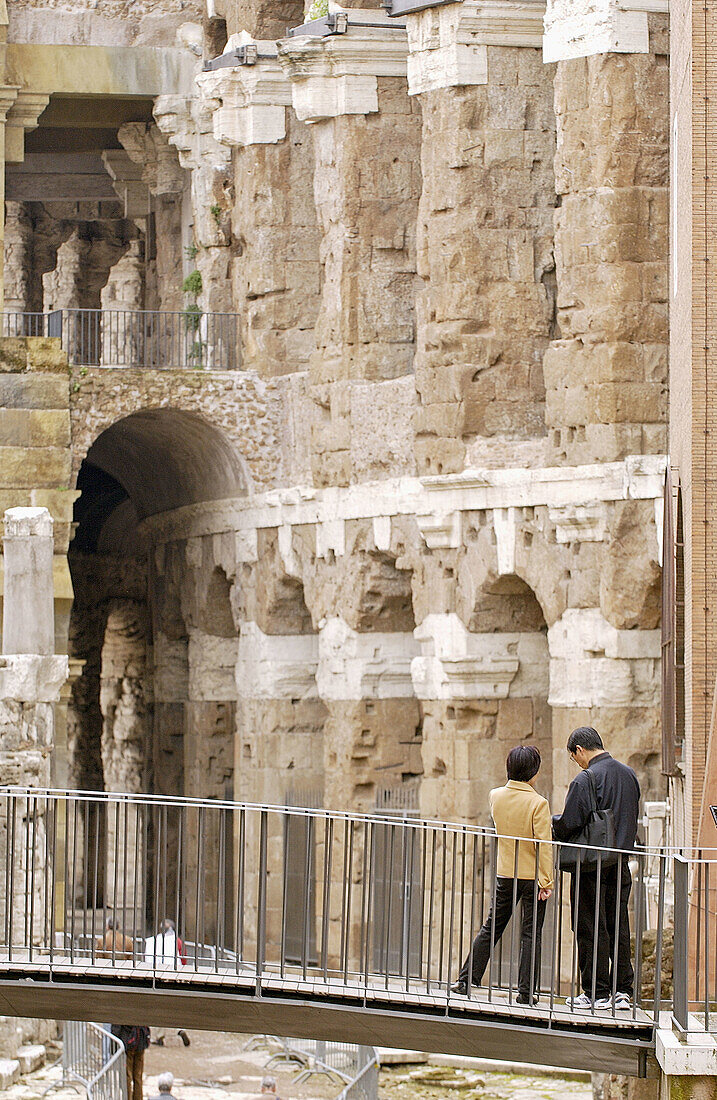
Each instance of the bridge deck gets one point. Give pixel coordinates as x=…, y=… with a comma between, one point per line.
x=222, y=999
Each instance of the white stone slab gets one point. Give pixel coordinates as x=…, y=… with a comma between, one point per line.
x=592, y=663
x=356, y=666
x=597, y=27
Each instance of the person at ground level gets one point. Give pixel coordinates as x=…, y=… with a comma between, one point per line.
x=268, y=1087
x=166, y=950
x=114, y=944
x=135, y=1039
x=165, y=1082
x=617, y=789
x=517, y=811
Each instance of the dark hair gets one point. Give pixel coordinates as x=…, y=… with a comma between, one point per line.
x=522, y=763
x=584, y=737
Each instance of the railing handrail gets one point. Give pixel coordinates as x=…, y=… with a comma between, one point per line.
x=113, y=1066
x=100, y=309
x=319, y=814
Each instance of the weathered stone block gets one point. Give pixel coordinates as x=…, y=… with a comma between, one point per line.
x=34, y=428
x=34, y=467
x=34, y=391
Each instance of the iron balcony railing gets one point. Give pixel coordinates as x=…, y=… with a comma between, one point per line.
x=158, y=339
x=221, y=872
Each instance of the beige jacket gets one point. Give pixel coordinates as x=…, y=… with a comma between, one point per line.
x=519, y=811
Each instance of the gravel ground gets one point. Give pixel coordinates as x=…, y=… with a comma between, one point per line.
x=215, y=1067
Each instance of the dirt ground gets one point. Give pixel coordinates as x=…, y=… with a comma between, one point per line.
x=217, y=1066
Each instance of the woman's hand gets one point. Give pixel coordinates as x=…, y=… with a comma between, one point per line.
x=543, y=895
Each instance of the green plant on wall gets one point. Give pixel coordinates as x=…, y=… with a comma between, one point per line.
x=192, y=287
x=316, y=8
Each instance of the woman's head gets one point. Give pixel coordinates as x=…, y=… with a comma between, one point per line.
x=522, y=763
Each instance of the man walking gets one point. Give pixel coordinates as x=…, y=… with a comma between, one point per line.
x=616, y=788
x=136, y=1040
x=518, y=811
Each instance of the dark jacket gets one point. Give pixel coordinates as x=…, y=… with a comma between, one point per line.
x=617, y=790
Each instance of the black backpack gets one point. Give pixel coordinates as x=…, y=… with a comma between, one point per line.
x=133, y=1037
x=599, y=832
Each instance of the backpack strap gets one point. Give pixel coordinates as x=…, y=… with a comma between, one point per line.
x=593, y=789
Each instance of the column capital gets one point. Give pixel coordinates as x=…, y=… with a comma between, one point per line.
x=22, y=116
x=248, y=100
x=598, y=27
x=337, y=74
x=8, y=95
x=448, y=46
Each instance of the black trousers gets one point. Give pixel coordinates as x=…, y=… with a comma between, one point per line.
x=613, y=928
x=525, y=893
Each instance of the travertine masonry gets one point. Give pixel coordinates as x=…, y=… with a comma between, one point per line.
x=606, y=377
x=485, y=312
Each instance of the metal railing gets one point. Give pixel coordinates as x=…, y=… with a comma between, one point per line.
x=354, y=1065
x=158, y=339
x=219, y=871
x=94, y=1058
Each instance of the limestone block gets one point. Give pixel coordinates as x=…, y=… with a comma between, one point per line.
x=459, y=664
x=363, y=666
x=31, y=1057
x=33, y=391
x=171, y=671
x=212, y=666
x=32, y=353
x=34, y=466
x=338, y=75
x=594, y=664
x=579, y=522
x=448, y=47
x=29, y=678
x=34, y=427
x=601, y=26
x=9, y=1072
x=276, y=666
x=249, y=101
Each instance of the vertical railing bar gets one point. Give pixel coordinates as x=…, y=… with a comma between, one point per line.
x=261, y=901
x=284, y=893
x=451, y=918
x=658, y=945
x=474, y=886
x=430, y=910
x=53, y=880
x=698, y=937
x=513, y=921
x=596, y=930
x=388, y=897
x=494, y=893
x=345, y=886
x=305, y=932
x=575, y=888
x=411, y=836
x=115, y=862
x=616, y=948
x=240, y=885
x=198, y=887
x=85, y=863
x=178, y=910
x=366, y=917
x=73, y=894
x=442, y=933
x=639, y=922
x=33, y=845
x=328, y=865
x=125, y=847
x=555, y=955
x=707, y=947
x=534, y=932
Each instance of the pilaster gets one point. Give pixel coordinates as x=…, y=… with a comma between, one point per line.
x=276, y=277
x=22, y=117
x=485, y=239
x=352, y=88
x=606, y=374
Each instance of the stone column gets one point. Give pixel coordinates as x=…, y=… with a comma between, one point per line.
x=276, y=282
x=28, y=603
x=168, y=184
x=31, y=678
x=351, y=88
x=485, y=312
x=606, y=374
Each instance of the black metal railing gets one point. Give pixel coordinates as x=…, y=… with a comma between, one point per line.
x=158, y=339
x=224, y=873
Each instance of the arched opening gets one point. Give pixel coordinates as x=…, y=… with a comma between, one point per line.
x=154, y=709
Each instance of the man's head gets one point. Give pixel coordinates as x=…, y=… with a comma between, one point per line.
x=110, y=924
x=165, y=1082
x=523, y=763
x=268, y=1085
x=583, y=744
x=168, y=925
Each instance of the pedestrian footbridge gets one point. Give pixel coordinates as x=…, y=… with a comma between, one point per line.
x=321, y=925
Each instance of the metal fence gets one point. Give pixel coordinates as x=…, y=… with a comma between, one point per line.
x=94, y=1058
x=136, y=338
x=354, y=1065
x=167, y=858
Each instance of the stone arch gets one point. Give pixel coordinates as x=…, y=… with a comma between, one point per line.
x=167, y=458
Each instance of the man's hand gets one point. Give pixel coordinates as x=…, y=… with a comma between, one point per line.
x=543, y=895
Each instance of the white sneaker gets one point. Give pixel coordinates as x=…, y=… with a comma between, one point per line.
x=582, y=1002
x=623, y=1002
